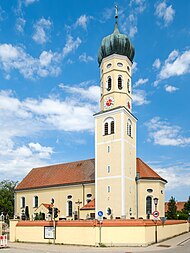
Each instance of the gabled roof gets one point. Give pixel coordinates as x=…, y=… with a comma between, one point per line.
x=74, y=173
x=179, y=205
x=60, y=174
x=89, y=206
x=145, y=172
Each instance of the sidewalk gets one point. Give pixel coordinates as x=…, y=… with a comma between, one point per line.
x=36, y=247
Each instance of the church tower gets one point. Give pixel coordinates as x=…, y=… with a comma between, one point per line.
x=115, y=129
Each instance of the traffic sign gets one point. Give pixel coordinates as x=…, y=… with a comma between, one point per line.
x=155, y=214
x=100, y=213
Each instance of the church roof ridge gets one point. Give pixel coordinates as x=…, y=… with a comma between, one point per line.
x=77, y=172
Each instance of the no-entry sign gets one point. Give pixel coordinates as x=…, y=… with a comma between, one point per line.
x=155, y=214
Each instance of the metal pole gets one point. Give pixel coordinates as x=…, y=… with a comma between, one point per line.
x=156, y=233
x=100, y=233
x=53, y=225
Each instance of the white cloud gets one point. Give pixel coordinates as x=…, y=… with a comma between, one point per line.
x=28, y=2
x=48, y=63
x=130, y=24
x=134, y=67
x=42, y=29
x=140, y=82
x=139, y=97
x=20, y=24
x=82, y=21
x=170, y=88
x=85, y=58
x=175, y=65
x=164, y=134
x=91, y=93
x=24, y=119
x=156, y=64
x=71, y=45
x=165, y=12
x=3, y=14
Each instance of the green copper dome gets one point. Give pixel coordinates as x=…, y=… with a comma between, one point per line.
x=116, y=43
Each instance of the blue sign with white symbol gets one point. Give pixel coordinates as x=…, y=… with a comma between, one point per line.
x=100, y=213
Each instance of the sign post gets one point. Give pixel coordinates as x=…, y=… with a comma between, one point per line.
x=100, y=220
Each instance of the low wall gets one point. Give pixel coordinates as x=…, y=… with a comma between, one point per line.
x=110, y=232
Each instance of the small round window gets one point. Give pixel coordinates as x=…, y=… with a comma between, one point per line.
x=69, y=196
x=89, y=195
x=149, y=190
x=119, y=64
x=109, y=65
x=128, y=68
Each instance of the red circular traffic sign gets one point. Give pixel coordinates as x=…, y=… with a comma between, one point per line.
x=155, y=214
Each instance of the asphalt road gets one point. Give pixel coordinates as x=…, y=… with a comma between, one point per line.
x=180, y=244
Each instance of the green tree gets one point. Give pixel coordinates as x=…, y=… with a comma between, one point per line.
x=186, y=208
x=172, y=209
x=7, y=197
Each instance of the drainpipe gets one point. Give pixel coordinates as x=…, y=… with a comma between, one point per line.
x=83, y=196
x=137, y=194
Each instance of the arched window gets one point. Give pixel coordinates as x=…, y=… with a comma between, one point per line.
x=106, y=128
x=109, y=126
x=148, y=205
x=70, y=208
x=88, y=197
x=22, y=202
x=112, y=127
x=128, y=86
x=35, y=201
x=109, y=83
x=120, y=85
x=129, y=128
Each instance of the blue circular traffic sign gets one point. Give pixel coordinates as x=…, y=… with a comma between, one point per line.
x=100, y=213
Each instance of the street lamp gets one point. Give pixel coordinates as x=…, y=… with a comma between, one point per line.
x=156, y=231
x=155, y=203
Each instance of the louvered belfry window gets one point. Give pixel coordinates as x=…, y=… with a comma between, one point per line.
x=106, y=128
x=112, y=127
x=109, y=83
x=119, y=83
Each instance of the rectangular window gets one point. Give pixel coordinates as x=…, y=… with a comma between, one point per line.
x=109, y=189
x=109, y=149
x=22, y=202
x=108, y=168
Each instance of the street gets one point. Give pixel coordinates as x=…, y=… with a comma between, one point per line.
x=180, y=244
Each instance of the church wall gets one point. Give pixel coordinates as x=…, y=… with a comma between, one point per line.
x=158, y=188
x=60, y=195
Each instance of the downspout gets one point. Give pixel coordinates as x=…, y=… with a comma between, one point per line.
x=137, y=194
x=83, y=196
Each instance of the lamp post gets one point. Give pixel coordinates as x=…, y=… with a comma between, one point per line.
x=156, y=231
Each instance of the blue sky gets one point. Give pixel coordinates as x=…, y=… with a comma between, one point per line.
x=49, y=83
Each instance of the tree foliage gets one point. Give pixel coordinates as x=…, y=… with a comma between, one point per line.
x=7, y=197
x=172, y=209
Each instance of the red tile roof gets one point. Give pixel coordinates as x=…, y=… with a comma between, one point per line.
x=146, y=172
x=60, y=174
x=180, y=206
x=74, y=173
x=89, y=206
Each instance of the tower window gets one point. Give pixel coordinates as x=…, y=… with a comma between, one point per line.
x=120, y=83
x=108, y=168
x=106, y=128
x=119, y=64
x=128, y=86
x=109, y=83
x=128, y=68
x=112, y=127
x=109, y=189
x=109, y=65
x=109, y=149
x=129, y=128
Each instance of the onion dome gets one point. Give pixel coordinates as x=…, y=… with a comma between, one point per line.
x=116, y=43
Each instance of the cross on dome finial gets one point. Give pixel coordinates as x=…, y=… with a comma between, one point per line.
x=116, y=11
x=116, y=18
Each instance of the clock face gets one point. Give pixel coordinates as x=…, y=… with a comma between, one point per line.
x=109, y=102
